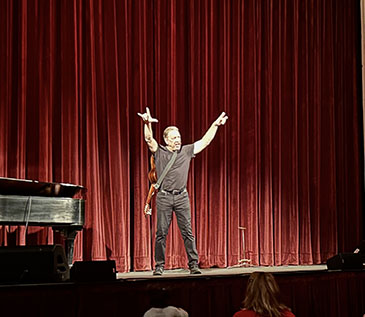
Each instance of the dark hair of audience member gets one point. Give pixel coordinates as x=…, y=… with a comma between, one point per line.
x=159, y=298
x=262, y=295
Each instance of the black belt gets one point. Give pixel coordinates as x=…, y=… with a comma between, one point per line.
x=174, y=192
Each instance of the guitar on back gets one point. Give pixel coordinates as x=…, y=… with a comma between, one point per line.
x=152, y=177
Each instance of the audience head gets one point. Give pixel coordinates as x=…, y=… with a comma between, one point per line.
x=162, y=305
x=169, y=311
x=262, y=295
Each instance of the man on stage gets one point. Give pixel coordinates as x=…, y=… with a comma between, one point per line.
x=172, y=194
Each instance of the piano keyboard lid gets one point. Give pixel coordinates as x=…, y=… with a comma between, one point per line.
x=25, y=187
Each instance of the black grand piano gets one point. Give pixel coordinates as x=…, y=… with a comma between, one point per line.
x=32, y=203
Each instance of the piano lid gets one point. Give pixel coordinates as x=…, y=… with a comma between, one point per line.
x=25, y=187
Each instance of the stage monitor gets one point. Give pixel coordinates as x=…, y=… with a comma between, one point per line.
x=346, y=262
x=33, y=264
x=92, y=271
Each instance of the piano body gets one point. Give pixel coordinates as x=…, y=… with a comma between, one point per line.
x=32, y=203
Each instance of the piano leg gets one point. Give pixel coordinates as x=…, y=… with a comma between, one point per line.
x=69, y=235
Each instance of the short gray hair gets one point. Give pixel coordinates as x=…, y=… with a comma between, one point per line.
x=168, y=129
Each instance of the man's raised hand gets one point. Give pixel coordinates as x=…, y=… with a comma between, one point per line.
x=221, y=119
x=146, y=117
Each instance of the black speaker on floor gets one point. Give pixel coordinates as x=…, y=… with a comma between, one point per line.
x=33, y=264
x=91, y=271
x=346, y=262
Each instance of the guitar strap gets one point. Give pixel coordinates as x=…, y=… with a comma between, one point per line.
x=147, y=209
x=165, y=171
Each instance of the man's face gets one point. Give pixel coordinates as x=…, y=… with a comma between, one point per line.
x=173, y=140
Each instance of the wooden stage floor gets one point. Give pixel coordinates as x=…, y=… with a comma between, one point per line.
x=230, y=271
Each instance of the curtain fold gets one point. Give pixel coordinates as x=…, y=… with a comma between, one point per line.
x=287, y=166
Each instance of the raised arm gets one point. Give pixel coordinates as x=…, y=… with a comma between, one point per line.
x=148, y=134
x=210, y=134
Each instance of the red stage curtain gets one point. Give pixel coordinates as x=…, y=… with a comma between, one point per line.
x=287, y=165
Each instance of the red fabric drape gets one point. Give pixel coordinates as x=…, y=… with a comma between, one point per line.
x=286, y=166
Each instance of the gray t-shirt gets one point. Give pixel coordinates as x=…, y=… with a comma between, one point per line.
x=177, y=176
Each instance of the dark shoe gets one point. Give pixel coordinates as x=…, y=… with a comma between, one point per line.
x=158, y=270
x=195, y=270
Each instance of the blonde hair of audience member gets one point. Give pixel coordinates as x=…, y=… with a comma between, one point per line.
x=262, y=295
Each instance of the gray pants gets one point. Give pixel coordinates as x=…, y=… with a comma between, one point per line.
x=166, y=204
